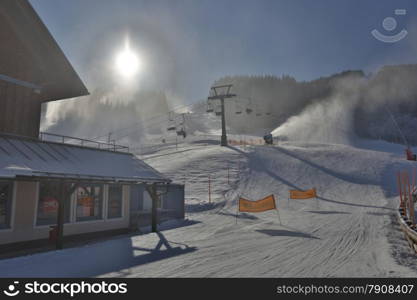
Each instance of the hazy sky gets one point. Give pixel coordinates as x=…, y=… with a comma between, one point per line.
x=187, y=44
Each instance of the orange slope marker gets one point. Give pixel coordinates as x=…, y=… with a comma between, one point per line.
x=295, y=194
x=265, y=204
x=303, y=195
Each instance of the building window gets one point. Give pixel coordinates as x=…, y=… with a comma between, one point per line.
x=49, y=194
x=114, y=207
x=6, y=191
x=89, y=202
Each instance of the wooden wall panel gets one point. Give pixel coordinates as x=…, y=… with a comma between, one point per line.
x=20, y=110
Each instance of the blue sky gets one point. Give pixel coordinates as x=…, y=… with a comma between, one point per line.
x=187, y=44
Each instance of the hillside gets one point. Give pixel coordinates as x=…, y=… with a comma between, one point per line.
x=364, y=105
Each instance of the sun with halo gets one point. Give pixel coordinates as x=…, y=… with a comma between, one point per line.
x=127, y=62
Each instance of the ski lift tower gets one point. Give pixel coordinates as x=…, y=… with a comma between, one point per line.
x=222, y=92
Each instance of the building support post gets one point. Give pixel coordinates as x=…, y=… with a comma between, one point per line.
x=151, y=189
x=61, y=215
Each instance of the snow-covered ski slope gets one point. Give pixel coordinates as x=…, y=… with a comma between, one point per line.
x=349, y=231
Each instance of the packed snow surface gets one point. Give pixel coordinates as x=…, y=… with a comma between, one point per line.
x=350, y=230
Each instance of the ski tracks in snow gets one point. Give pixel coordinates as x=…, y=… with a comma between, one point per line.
x=341, y=234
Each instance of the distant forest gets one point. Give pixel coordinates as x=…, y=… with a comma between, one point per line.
x=392, y=91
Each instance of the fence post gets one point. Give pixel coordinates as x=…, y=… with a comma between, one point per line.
x=59, y=243
x=410, y=201
x=237, y=208
x=209, y=189
x=406, y=201
x=399, y=183
x=228, y=174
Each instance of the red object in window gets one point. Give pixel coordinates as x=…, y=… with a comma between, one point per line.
x=49, y=205
x=410, y=155
x=87, y=206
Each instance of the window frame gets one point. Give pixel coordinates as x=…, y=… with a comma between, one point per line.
x=10, y=209
x=38, y=192
x=108, y=186
x=77, y=219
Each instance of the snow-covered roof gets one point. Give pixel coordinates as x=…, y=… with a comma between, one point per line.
x=28, y=157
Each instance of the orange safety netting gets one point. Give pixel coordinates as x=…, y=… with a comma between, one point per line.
x=295, y=194
x=264, y=204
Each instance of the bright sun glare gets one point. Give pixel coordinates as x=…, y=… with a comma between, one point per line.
x=127, y=62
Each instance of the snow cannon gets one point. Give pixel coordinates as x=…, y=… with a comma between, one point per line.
x=268, y=139
x=410, y=155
